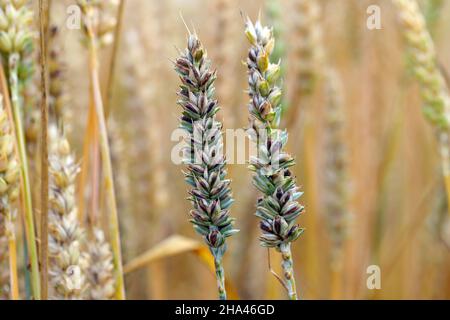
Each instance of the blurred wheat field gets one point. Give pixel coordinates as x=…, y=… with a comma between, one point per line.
x=367, y=159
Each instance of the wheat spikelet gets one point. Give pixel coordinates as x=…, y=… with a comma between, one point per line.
x=66, y=259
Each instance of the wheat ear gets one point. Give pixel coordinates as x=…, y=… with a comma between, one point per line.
x=66, y=260
x=307, y=53
x=278, y=207
x=210, y=194
x=434, y=90
x=100, y=269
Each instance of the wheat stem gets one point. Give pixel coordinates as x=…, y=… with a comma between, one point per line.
x=288, y=270
x=106, y=161
x=112, y=65
x=43, y=19
x=220, y=275
x=29, y=222
x=12, y=249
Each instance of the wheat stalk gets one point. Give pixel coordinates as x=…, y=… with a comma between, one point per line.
x=210, y=194
x=97, y=34
x=15, y=43
x=278, y=207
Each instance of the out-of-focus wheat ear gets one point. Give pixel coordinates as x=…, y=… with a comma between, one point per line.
x=433, y=11
x=425, y=66
x=58, y=97
x=225, y=32
x=306, y=55
x=100, y=268
x=336, y=184
x=14, y=47
x=67, y=261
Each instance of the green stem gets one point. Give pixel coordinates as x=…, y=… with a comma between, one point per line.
x=220, y=275
x=288, y=270
x=14, y=59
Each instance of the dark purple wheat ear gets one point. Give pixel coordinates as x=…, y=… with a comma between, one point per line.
x=206, y=165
